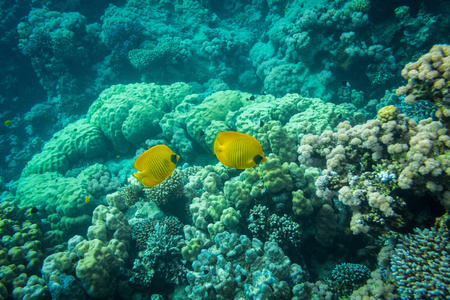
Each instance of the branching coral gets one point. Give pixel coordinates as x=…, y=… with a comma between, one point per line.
x=160, y=259
x=167, y=192
x=271, y=227
x=347, y=277
x=421, y=264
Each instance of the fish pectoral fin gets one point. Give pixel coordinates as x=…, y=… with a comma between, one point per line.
x=139, y=176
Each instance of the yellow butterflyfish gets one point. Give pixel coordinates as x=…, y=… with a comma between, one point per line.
x=87, y=199
x=155, y=165
x=7, y=122
x=238, y=150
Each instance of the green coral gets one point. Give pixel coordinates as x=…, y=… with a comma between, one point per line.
x=300, y=204
x=130, y=114
x=239, y=194
x=192, y=249
x=78, y=140
x=275, y=175
x=315, y=116
x=213, y=108
x=63, y=200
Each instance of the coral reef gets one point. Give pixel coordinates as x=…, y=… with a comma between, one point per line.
x=78, y=140
x=63, y=199
x=420, y=263
x=129, y=114
x=160, y=260
x=91, y=267
x=347, y=277
x=88, y=87
x=236, y=263
x=270, y=227
x=364, y=165
x=428, y=80
x=167, y=192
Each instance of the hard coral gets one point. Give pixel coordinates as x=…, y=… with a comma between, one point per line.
x=168, y=191
x=347, y=277
x=160, y=259
x=421, y=264
x=387, y=113
x=365, y=163
x=360, y=5
x=429, y=79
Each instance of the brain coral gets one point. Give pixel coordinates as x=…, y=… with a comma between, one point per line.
x=130, y=114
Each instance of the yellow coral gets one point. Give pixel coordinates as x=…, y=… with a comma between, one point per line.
x=387, y=113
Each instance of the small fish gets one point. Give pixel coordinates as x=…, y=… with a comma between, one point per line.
x=118, y=156
x=155, y=165
x=7, y=123
x=261, y=123
x=87, y=199
x=346, y=83
x=238, y=150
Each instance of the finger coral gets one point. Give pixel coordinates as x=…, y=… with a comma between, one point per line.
x=429, y=80
x=364, y=164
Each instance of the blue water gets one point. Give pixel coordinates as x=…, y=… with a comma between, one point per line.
x=351, y=202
